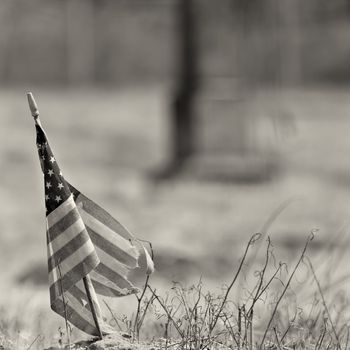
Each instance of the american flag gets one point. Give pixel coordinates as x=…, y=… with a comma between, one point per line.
x=83, y=240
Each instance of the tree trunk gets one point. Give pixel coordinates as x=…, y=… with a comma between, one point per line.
x=183, y=111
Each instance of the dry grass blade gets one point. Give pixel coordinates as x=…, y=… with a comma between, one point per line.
x=347, y=339
x=324, y=303
x=113, y=316
x=229, y=327
x=261, y=278
x=33, y=342
x=252, y=240
x=321, y=338
x=251, y=329
x=277, y=339
x=268, y=223
x=161, y=303
x=285, y=289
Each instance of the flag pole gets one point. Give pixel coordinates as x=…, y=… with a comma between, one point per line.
x=33, y=107
x=92, y=307
x=35, y=113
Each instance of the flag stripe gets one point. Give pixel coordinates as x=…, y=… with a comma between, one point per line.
x=78, y=290
x=70, y=249
x=61, y=226
x=101, y=215
x=79, y=307
x=108, y=291
x=115, y=253
x=73, y=276
x=85, y=313
x=79, y=295
x=106, y=287
x=53, y=276
x=113, y=264
x=113, y=276
x=74, y=317
x=108, y=240
x=67, y=235
x=75, y=259
x=60, y=212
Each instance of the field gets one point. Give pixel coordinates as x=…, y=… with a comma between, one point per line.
x=108, y=143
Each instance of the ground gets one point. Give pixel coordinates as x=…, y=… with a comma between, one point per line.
x=109, y=142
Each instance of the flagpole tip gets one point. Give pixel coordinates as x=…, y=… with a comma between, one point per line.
x=33, y=106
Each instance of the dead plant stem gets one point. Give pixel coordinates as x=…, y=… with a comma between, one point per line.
x=285, y=289
x=324, y=302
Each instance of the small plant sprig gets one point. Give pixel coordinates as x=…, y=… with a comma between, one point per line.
x=141, y=310
x=310, y=238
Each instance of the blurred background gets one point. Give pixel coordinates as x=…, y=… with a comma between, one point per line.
x=190, y=121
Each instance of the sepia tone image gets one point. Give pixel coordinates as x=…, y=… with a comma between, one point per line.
x=175, y=174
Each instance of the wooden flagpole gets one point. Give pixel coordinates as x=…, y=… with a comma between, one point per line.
x=35, y=113
x=92, y=307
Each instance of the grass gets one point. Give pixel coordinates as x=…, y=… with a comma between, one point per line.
x=266, y=305
x=262, y=314
x=107, y=142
